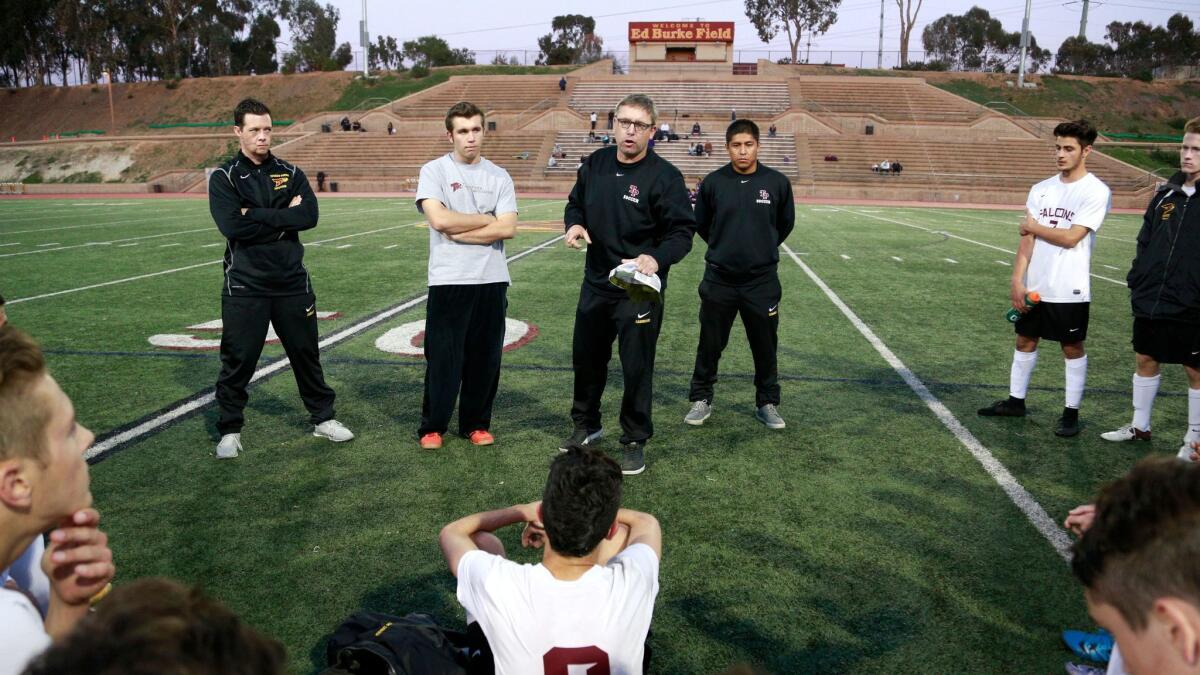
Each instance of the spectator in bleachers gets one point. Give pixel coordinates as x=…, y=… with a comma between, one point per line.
x=695, y=129
x=606, y=139
x=591, y=137
x=391, y=129
x=345, y=124
x=708, y=148
x=160, y=626
x=320, y=181
x=772, y=131
x=552, y=162
x=664, y=131
x=733, y=115
x=596, y=583
x=885, y=166
x=610, y=120
x=562, y=84
x=44, y=485
x=593, y=119
x=897, y=167
x=558, y=152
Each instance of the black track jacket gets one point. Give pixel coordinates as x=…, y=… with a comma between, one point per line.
x=628, y=210
x=744, y=218
x=1164, y=280
x=263, y=255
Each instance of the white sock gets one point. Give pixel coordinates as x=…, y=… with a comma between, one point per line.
x=1022, y=370
x=1076, y=370
x=1193, y=416
x=1144, y=391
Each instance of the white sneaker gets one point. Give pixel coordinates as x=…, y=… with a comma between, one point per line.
x=1185, y=452
x=229, y=446
x=699, y=412
x=1126, y=433
x=334, y=431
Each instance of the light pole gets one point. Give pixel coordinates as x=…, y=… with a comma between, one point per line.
x=879, y=60
x=1024, y=44
x=112, y=116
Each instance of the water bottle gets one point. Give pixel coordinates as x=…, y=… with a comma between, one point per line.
x=1031, y=299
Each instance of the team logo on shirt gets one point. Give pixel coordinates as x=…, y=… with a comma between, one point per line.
x=1167, y=209
x=280, y=180
x=455, y=187
x=764, y=197
x=1056, y=214
x=633, y=194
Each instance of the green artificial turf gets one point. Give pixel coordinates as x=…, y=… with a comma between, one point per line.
x=862, y=538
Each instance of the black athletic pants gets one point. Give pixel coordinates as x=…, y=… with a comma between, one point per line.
x=464, y=337
x=244, y=328
x=599, y=319
x=759, y=306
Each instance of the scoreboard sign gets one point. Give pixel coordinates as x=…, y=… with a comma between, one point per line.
x=681, y=31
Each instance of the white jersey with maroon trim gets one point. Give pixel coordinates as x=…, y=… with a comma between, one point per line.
x=1062, y=274
x=536, y=623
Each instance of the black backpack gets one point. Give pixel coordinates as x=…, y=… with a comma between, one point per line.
x=374, y=643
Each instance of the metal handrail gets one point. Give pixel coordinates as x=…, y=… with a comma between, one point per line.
x=544, y=104
x=364, y=106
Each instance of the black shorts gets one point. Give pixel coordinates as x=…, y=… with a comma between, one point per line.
x=1058, y=321
x=1167, y=341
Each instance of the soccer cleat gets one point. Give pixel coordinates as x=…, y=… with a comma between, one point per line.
x=769, y=416
x=1095, y=647
x=481, y=437
x=1126, y=433
x=1005, y=407
x=1068, y=424
x=229, y=446
x=334, y=431
x=1083, y=669
x=581, y=437
x=633, y=458
x=431, y=441
x=699, y=412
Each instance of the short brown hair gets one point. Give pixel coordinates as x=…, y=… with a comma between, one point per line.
x=160, y=626
x=23, y=416
x=1145, y=540
x=640, y=101
x=1192, y=126
x=463, y=109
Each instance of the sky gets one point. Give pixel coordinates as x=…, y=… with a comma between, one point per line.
x=486, y=26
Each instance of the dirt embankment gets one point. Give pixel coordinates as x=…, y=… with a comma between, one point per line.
x=30, y=113
x=105, y=162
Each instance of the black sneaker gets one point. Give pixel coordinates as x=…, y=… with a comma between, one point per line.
x=1005, y=407
x=1068, y=424
x=581, y=437
x=633, y=458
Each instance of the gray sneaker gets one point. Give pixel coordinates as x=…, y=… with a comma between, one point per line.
x=334, y=431
x=769, y=416
x=229, y=446
x=699, y=412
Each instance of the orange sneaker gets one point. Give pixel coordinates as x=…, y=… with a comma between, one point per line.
x=481, y=437
x=431, y=441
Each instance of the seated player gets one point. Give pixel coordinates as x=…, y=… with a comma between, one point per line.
x=1137, y=562
x=160, y=626
x=591, y=598
x=43, y=485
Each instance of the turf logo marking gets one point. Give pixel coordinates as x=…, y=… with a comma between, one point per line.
x=182, y=342
x=409, y=339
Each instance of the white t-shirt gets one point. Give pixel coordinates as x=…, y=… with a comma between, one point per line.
x=27, y=573
x=476, y=188
x=535, y=623
x=1062, y=274
x=1188, y=190
x=22, y=632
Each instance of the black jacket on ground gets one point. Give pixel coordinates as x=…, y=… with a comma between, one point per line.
x=744, y=218
x=1164, y=280
x=628, y=210
x=263, y=256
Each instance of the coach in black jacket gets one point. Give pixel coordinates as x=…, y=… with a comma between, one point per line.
x=744, y=211
x=1164, y=291
x=260, y=203
x=631, y=205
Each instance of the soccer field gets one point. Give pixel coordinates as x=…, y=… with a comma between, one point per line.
x=887, y=529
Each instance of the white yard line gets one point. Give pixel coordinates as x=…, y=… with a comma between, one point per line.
x=113, y=282
x=169, y=245
x=340, y=336
x=845, y=257
x=897, y=259
x=955, y=236
x=128, y=245
x=388, y=248
x=952, y=261
x=1018, y=494
x=103, y=243
x=1006, y=264
x=343, y=246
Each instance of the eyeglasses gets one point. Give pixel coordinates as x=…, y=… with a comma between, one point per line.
x=640, y=127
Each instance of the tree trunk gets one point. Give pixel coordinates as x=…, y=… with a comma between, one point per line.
x=905, y=33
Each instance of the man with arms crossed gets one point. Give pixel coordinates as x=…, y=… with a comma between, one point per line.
x=1054, y=258
x=628, y=205
x=43, y=485
x=472, y=208
x=1164, y=289
x=591, y=598
x=261, y=204
x=744, y=211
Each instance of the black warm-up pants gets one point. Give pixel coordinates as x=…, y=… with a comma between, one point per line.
x=599, y=319
x=758, y=304
x=244, y=328
x=464, y=338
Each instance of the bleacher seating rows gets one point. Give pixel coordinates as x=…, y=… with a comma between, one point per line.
x=512, y=93
x=898, y=101
x=748, y=98
x=772, y=153
x=1016, y=164
x=402, y=155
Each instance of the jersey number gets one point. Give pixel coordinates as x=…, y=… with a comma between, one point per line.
x=575, y=661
